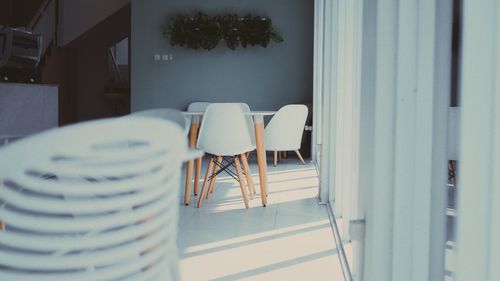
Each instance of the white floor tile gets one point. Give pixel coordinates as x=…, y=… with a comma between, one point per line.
x=290, y=239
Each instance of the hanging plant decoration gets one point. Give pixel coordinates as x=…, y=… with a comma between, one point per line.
x=230, y=25
x=205, y=32
x=199, y=31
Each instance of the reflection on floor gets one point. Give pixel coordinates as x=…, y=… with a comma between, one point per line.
x=450, y=249
x=290, y=239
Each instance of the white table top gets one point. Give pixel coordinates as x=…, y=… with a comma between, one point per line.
x=261, y=112
x=258, y=112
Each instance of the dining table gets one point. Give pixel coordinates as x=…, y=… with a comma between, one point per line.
x=195, y=118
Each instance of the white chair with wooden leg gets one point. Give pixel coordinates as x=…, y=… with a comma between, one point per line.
x=224, y=134
x=284, y=131
x=251, y=130
x=193, y=137
x=249, y=120
x=170, y=114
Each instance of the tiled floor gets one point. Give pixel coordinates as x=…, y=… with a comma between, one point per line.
x=450, y=249
x=290, y=239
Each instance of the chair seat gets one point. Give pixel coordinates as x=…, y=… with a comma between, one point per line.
x=229, y=152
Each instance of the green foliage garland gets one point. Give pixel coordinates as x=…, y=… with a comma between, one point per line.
x=205, y=32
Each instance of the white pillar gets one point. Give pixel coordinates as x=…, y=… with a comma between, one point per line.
x=329, y=93
x=409, y=142
x=379, y=204
x=317, y=81
x=479, y=179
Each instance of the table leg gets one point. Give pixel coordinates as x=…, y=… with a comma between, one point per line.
x=197, y=167
x=261, y=157
x=189, y=173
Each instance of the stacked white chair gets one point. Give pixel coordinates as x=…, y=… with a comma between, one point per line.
x=93, y=201
x=225, y=133
x=284, y=131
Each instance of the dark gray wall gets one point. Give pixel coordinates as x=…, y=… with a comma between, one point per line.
x=78, y=16
x=26, y=109
x=264, y=78
x=92, y=69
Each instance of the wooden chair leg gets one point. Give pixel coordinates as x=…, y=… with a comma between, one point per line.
x=197, y=173
x=189, y=176
x=300, y=157
x=248, y=174
x=284, y=154
x=242, y=180
x=2, y=226
x=245, y=183
x=193, y=131
x=204, y=187
x=212, y=182
x=275, y=158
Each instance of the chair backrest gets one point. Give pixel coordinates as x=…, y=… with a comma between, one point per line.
x=171, y=114
x=224, y=130
x=284, y=131
x=249, y=120
x=93, y=201
x=198, y=106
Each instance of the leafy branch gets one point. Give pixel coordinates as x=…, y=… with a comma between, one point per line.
x=205, y=32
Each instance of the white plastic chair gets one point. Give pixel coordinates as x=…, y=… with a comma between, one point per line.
x=92, y=201
x=284, y=131
x=249, y=120
x=173, y=115
x=194, y=130
x=198, y=106
x=251, y=130
x=224, y=133
x=202, y=107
